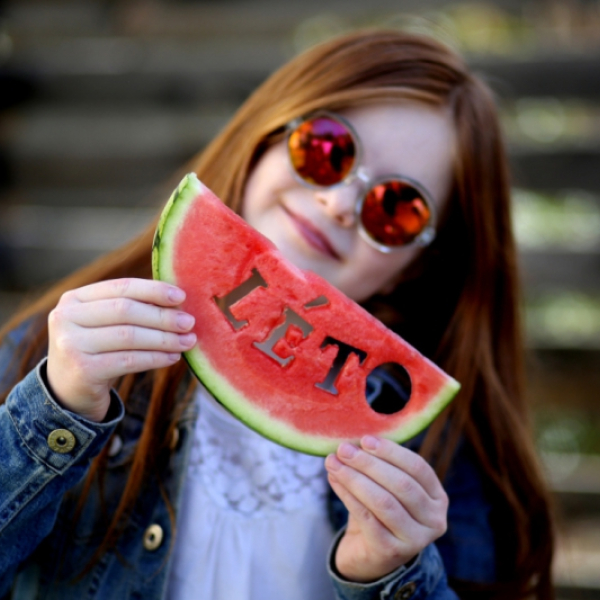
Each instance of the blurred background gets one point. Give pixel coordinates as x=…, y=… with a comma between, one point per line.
x=100, y=101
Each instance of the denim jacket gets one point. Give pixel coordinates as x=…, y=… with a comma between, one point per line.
x=45, y=453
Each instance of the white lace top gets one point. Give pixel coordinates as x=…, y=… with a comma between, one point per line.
x=253, y=522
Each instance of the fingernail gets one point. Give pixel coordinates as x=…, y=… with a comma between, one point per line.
x=188, y=339
x=176, y=295
x=332, y=463
x=347, y=450
x=185, y=321
x=174, y=357
x=370, y=443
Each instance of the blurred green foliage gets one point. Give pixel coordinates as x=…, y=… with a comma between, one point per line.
x=568, y=221
x=531, y=27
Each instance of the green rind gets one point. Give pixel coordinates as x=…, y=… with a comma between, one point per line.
x=285, y=435
x=259, y=420
x=255, y=418
x=172, y=215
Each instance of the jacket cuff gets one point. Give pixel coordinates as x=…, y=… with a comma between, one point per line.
x=415, y=581
x=39, y=419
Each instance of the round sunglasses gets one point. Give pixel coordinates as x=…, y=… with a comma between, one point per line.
x=324, y=152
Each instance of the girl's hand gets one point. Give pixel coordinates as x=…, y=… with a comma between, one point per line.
x=102, y=331
x=396, y=502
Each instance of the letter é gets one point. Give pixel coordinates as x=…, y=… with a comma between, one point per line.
x=291, y=318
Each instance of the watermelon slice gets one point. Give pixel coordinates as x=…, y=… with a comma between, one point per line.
x=281, y=348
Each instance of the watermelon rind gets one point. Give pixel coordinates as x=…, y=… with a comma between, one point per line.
x=230, y=397
x=171, y=216
x=285, y=435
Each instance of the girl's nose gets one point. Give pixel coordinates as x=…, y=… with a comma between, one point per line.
x=339, y=203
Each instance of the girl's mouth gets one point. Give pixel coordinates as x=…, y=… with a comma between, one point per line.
x=312, y=235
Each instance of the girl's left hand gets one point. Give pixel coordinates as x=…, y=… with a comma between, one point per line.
x=396, y=502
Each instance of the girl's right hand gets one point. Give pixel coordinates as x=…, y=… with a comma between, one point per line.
x=103, y=331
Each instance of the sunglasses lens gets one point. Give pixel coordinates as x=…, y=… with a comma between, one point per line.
x=322, y=151
x=394, y=213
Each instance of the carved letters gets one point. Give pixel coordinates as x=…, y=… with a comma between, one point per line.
x=290, y=318
x=344, y=352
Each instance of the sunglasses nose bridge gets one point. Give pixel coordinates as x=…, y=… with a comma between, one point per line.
x=362, y=175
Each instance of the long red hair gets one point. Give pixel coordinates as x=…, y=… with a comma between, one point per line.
x=458, y=304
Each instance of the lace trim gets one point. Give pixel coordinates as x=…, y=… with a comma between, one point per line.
x=248, y=474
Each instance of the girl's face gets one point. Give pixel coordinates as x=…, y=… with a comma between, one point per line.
x=317, y=229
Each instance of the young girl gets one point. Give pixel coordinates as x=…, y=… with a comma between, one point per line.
x=122, y=478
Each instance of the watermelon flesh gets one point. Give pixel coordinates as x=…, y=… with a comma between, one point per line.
x=281, y=348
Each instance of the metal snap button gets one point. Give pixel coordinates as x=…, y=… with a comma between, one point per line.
x=406, y=591
x=153, y=537
x=174, y=439
x=61, y=441
x=116, y=445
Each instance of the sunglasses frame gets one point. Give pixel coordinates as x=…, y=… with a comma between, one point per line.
x=358, y=171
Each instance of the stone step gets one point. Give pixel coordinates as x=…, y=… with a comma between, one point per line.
x=578, y=556
x=44, y=243
x=143, y=132
x=575, y=480
x=71, y=146
x=106, y=56
x=67, y=17
x=147, y=89
x=86, y=67
x=572, y=166
x=96, y=197
x=93, y=229
x=570, y=592
x=180, y=18
x=556, y=269
x=550, y=74
x=139, y=147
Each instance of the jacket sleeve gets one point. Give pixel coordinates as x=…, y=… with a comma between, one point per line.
x=424, y=577
x=44, y=451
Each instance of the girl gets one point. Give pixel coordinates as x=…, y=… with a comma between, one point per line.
x=116, y=481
